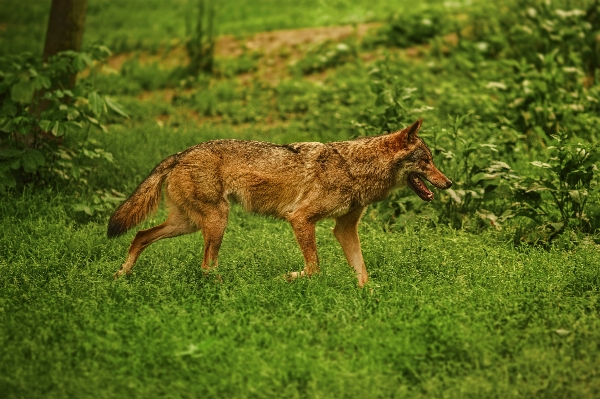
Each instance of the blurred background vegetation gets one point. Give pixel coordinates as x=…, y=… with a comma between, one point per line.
x=139, y=24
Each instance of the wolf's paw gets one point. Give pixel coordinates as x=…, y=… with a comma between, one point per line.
x=209, y=274
x=291, y=276
x=121, y=272
x=362, y=281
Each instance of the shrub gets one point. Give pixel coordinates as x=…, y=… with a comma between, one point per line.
x=37, y=112
x=326, y=55
x=413, y=26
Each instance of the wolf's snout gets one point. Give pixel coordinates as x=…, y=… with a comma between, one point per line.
x=438, y=179
x=442, y=182
x=446, y=184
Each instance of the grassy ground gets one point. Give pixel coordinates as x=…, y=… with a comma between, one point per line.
x=448, y=312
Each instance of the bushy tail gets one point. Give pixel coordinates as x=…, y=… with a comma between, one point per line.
x=144, y=200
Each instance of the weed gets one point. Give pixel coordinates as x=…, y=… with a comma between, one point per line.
x=230, y=67
x=200, y=44
x=394, y=103
x=135, y=77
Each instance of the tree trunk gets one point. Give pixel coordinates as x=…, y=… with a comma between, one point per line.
x=65, y=30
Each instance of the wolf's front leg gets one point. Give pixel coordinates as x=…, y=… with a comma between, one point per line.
x=306, y=237
x=346, y=232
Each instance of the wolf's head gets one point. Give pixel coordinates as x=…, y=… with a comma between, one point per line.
x=413, y=162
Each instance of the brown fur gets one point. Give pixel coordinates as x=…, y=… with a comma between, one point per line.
x=300, y=182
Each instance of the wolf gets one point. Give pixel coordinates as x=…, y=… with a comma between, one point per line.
x=299, y=182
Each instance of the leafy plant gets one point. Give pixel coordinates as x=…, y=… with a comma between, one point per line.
x=230, y=67
x=200, y=43
x=394, y=102
x=135, y=77
x=479, y=178
x=101, y=201
x=326, y=55
x=416, y=25
x=37, y=112
x=545, y=96
x=556, y=199
x=545, y=27
x=552, y=49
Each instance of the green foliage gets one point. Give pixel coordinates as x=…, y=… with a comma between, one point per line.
x=556, y=198
x=479, y=193
x=44, y=124
x=446, y=314
x=540, y=98
x=135, y=77
x=230, y=101
x=126, y=26
x=326, y=55
x=522, y=29
x=102, y=201
x=415, y=25
x=516, y=95
x=230, y=67
x=395, y=104
x=552, y=49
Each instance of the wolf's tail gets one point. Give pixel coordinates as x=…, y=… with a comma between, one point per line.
x=144, y=200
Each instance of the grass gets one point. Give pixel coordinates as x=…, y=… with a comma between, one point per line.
x=446, y=314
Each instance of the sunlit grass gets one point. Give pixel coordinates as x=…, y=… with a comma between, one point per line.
x=445, y=314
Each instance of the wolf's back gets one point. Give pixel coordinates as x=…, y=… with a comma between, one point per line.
x=144, y=200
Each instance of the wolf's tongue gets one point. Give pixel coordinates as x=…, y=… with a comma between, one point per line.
x=419, y=187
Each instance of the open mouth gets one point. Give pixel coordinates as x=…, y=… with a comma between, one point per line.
x=419, y=187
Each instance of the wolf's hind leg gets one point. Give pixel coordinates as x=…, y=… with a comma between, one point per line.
x=213, y=223
x=175, y=225
x=346, y=232
x=304, y=231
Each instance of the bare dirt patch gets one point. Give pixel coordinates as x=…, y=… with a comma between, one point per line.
x=277, y=48
x=271, y=42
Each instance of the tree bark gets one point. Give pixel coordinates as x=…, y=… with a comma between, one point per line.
x=65, y=30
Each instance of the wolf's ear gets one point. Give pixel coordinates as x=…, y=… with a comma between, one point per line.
x=412, y=130
x=407, y=135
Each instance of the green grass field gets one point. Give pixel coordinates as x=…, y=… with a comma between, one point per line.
x=460, y=304
x=446, y=314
